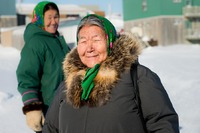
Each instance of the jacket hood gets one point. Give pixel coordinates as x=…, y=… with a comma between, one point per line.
x=33, y=30
x=126, y=50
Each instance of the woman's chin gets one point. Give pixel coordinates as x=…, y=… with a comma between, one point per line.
x=90, y=65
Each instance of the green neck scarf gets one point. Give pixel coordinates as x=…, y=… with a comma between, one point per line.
x=88, y=83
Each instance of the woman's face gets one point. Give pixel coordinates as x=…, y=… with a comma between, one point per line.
x=51, y=21
x=92, y=46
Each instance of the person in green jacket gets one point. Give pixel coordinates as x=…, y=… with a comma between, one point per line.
x=40, y=68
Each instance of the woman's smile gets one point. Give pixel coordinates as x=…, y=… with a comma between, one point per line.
x=92, y=45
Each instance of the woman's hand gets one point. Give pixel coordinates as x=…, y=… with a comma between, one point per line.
x=35, y=120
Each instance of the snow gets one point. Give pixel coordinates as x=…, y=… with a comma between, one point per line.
x=177, y=65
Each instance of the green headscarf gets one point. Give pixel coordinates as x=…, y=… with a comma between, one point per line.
x=88, y=81
x=37, y=15
x=110, y=32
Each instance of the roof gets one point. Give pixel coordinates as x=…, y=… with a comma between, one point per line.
x=64, y=9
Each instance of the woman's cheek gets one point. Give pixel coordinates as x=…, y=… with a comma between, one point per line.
x=80, y=50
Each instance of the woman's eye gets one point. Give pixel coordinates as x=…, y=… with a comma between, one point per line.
x=56, y=17
x=97, y=39
x=82, y=42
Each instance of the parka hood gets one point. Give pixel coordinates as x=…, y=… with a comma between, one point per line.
x=33, y=30
x=126, y=50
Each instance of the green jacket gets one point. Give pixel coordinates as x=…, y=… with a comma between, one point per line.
x=40, y=69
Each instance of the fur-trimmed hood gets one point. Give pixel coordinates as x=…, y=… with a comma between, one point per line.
x=125, y=52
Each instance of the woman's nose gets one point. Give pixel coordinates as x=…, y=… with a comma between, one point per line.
x=90, y=46
x=53, y=20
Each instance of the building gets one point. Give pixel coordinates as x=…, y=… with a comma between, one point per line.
x=7, y=15
x=160, y=20
x=192, y=23
x=24, y=12
x=12, y=34
x=70, y=16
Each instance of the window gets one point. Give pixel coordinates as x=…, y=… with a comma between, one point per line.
x=176, y=1
x=144, y=5
x=188, y=2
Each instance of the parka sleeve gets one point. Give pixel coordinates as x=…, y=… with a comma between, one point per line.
x=51, y=124
x=29, y=72
x=158, y=111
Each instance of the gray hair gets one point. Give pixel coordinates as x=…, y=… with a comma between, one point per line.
x=90, y=20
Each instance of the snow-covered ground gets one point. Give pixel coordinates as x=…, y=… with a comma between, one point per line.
x=177, y=65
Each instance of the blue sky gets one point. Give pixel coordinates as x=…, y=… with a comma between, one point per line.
x=114, y=6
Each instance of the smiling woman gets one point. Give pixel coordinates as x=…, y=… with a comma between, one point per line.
x=97, y=95
x=92, y=47
x=48, y=18
x=51, y=19
x=40, y=68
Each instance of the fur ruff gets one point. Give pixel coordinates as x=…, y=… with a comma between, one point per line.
x=32, y=107
x=125, y=52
